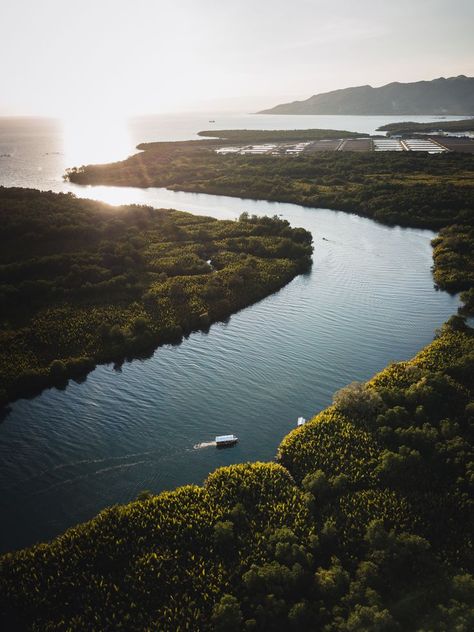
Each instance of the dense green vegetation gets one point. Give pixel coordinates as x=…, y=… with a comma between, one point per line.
x=406, y=188
x=82, y=282
x=364, y=525
x=277, y=135
x=409, y=127
x=454, y=258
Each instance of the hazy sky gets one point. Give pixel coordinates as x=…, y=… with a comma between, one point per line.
x=145, y=56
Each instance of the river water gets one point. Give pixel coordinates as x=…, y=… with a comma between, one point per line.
x=368, y=300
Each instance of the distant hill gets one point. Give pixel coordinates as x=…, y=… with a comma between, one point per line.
x=454, y=95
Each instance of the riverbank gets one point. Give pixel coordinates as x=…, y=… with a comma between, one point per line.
x=409, y=530
x=85, y=283
x=413, y=190
x=311, y=533
x=410, y=190
x=367, y=301
x=368, y=508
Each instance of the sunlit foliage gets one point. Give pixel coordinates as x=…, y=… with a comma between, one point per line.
x=406, y=188
x=82, y=282
x=365, y=524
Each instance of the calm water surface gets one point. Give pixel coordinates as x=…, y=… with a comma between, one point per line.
x=368, y=300
x=36, y=152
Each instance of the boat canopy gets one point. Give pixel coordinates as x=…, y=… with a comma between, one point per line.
x=226, y=438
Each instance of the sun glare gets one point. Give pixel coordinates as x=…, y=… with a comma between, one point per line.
x=95, y=138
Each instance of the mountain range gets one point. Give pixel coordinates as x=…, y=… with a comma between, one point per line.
x=451, y=96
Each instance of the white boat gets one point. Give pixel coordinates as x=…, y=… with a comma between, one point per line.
x=301, y=421
x=226, y=440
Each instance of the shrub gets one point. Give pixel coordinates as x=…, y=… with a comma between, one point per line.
x=358, y=401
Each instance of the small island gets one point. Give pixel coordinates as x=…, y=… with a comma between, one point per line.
x=440, y=125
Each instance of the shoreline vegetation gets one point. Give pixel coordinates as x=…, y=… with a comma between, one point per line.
x=406, y=188
x=83, y=283
x=274, y=135
x=410, y=127
x=364, y=524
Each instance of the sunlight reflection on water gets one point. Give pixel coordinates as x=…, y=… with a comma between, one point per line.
x=94, y=140
x=368, y=300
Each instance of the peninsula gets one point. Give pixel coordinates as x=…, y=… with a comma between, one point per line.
x=83, y=283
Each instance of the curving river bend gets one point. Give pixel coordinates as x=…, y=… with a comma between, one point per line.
x=368, y=300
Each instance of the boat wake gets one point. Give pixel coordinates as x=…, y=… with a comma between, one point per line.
x=205, y=444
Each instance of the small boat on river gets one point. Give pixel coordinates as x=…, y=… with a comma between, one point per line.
x=224, y=441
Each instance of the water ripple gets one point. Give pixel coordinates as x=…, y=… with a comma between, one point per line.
x=368, y=300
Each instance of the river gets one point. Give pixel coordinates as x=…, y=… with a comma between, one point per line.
x=368, y=300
